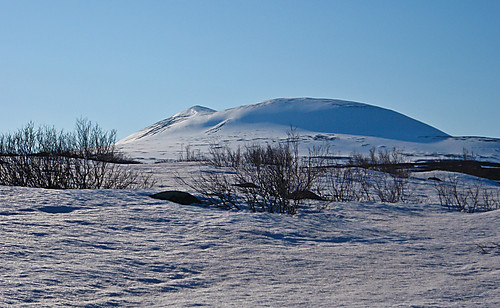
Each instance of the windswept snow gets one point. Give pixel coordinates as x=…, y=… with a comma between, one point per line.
x=345, y=126
x=122, y=248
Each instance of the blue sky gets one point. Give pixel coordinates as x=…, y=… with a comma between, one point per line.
x=127, y=64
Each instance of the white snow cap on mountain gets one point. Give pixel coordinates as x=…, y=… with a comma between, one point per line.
x=309, y=114
x=345, y=126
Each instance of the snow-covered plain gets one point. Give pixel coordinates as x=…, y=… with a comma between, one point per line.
x=122, y=248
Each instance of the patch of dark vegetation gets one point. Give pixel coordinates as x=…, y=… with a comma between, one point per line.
x=40, y=234
x=483, y=169
x=178, y=197
x=26, y=210
x=8, y=213
x=433, y=178
x=84, y=159
x=487, y=170
x=305, y=194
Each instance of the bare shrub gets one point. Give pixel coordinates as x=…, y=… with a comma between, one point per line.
x=343, y=184
x=188, y=154
x=47, y=158
x=391, y=188
x=381, y=176
x=388, y=161
x=266, y=178
x=215, y=185
x=224, y=156
x=466, y=197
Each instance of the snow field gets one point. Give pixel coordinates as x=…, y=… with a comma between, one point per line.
x=122, y=248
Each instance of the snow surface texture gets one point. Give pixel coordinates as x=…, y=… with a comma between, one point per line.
x=345, y=126
x=100, y=248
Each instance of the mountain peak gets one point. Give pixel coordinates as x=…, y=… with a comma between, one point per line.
x=197, y=109
x=318, y=115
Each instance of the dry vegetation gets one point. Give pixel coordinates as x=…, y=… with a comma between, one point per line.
x=267, y=178
x=275, y=178
x=467, y=197
x=272, y=178
x=46, y=158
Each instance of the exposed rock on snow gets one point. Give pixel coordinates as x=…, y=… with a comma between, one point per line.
x=179, y=197
x=57, y=209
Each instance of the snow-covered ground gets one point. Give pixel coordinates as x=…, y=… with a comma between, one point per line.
x=122, y=248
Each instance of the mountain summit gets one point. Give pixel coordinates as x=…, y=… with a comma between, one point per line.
x=309, y=114
x=345, y=126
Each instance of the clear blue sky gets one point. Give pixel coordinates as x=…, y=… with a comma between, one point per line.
x=127, y=64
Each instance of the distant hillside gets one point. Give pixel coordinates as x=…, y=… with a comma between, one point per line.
x=315, y=115
x=346, y=126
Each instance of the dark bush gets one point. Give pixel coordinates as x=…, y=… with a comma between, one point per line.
x=466, y=197
x=47, y=158
x=264, y=177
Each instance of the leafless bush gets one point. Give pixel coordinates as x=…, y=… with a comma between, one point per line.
x=344, y=184
x=378, y=176
x=268, y=178
x=47, y=158
x=387, y=161
x=187, y=154
x=466, y=197
x=224, y=156
x=215, y=185
x=391, y=188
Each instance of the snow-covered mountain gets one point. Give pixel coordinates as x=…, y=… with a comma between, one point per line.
x=346, y=126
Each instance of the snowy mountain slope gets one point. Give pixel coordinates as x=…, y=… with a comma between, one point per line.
x=122, y=248
x=316, y=115
x=345, y=126
x=161, y=126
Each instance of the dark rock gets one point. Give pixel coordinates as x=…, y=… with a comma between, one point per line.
x=179, y=197
x=57, y=209
x=246, y=185
x=433, y=178
x=304, y=194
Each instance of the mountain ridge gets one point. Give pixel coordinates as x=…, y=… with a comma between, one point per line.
x=345, y=126
x=312, y=114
